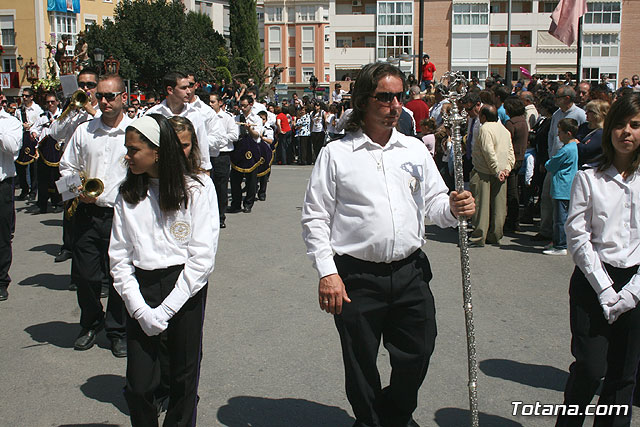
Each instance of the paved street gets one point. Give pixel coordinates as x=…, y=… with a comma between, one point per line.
x=271, y=357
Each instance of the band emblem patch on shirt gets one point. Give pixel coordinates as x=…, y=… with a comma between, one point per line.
x=180, y=230
x=414, y=184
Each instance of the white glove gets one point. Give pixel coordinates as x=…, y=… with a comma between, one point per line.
x=148, y=322
x=163, y=314
x=627, y=302
x=607, y=298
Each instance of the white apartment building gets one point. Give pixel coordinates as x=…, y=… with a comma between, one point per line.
x=217, y=10
x=479, y=39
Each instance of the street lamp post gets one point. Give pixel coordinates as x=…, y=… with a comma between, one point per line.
x=98, y=58
x=313, y=80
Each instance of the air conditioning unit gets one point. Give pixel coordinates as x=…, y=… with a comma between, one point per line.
x=356, y=3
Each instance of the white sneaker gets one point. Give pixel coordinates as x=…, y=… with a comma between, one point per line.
x=555, y=251
x=548, y=246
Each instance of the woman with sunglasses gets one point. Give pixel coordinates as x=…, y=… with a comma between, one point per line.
x=602, y=236
x=162, y=250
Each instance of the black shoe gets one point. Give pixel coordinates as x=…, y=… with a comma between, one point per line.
x=234, y=210
x=87, y=338
x=246, y=210
x=73, y=287
x=56, y=209
x=119, y=347
x=104, y=291
x=31, y=195
x=4, y=295
x=262, y=197
x=540, y=238
x=23, y=196
x=222, y=224
x=64, y=255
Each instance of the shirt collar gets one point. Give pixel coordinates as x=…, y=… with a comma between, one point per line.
x=360, y=139
x=617, y=176
x=98, y=125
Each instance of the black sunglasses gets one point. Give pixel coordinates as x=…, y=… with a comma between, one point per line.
x=388, y=97
x=192, y=84
x=109, y=96
x=88, y=85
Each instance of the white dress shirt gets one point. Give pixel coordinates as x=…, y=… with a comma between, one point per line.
x=230, y=131
x=145, y=237
x=603, y=225
x=10, y=143
x=61, y=130
x=42, y=126
x=370, y=201
x=199, y=124
x=32, y=113
x=215, y=130
x=98, y=150
x=256, y=121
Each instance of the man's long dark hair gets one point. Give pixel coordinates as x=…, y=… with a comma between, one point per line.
x=173, y=169
x=366, y=84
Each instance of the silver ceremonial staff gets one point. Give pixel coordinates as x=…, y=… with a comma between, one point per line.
x=457, y=88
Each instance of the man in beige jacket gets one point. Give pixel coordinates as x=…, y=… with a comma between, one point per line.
x=492, y=158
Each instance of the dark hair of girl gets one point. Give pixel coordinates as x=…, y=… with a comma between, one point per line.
x=182, y=124
x=172, y=171
x=623, y=109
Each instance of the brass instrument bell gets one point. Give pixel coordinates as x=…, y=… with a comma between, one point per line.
x=78, y=100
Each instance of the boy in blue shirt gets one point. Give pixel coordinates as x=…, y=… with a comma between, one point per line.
x=563, y=168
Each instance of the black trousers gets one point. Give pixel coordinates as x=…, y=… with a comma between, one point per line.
x=317, y=142
x=261, y=187
x=91, y=231
x=7, y=221
x=220, y=175
x=513, y=199
x=47, y=177
x=21, y=172
x=67, y=229
x=236, y=189
x=601, y=350
x=392, y=301
x=181, y=344
x=285, y=149
x=306, y=154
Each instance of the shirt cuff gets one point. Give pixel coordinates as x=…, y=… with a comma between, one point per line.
x=134, y=301
x=326, y=267
x=634, y=286
x=176, y=299
x=599, y=280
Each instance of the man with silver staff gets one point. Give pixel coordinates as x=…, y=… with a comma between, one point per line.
x=363, y=223
x=97, y=150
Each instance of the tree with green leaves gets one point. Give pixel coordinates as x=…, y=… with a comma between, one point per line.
x=151, y=38
x=246, y=60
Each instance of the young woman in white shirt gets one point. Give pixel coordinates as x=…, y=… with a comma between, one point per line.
x=603, y=237
x=162, y=250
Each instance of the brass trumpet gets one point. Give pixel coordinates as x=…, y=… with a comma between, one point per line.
x=78, y=100
x=92, y=187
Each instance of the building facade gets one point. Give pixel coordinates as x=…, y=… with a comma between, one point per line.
x=462, y=35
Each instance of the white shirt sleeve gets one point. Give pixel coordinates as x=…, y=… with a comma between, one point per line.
x=72, y=160
x=529, y=168
x=121, y=257
x=318, y=208
x=11, y=136
x=578, y=231
x=216, y=135
x=201, y=249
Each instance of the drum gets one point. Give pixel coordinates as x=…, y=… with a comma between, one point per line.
x=246, y=156
x=267, y=152
x=50, y=151
x=28, y=151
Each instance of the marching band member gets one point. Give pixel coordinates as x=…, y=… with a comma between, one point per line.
x=49, y=153
x=177, y=104
x=165, y=209
x=602, y=237
x=97, y=150
x=28, y=113
x=10, y=142
x=245, y=157
x=61, y=130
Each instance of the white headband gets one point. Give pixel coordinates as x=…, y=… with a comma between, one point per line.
x=148, y=127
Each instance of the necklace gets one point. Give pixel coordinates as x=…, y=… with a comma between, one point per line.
x=378, y=162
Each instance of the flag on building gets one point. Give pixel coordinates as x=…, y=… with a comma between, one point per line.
x=564, y=20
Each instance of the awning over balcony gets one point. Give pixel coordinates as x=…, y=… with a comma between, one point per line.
x=72, y=6
x=554, y=69
x=547, y=41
